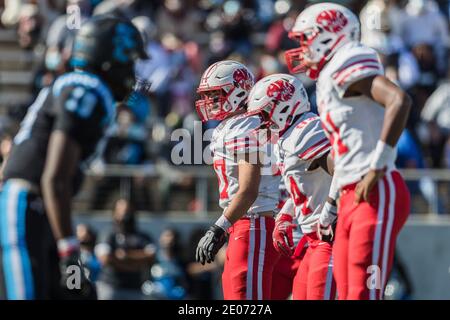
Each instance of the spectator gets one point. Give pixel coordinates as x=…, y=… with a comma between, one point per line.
x=11, y=14
x=204, y=279
x=168, y=272
x=424, y=24
x=30, y=26
x=436, y=119
x=87, y=237
x=176, y=17
x=126, y=255
x=61, y=33
x=125, y=8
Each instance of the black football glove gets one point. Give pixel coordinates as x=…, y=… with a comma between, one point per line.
x=74, y=282
x=210, y=244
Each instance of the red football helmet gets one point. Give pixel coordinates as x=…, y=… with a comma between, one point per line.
x=321, y=30
x=223, y=89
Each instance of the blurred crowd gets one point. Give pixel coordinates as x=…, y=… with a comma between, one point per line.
x=127, y=264
x=183, y=37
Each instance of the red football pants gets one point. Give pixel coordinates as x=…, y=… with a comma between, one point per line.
x=283, y=277
x=366, y=233
x=314, y=279
x=250, y=260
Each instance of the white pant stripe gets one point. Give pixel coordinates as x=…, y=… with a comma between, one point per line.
x=262, y=249
x=378, y=229
x=387, y=236
x=251, y=253
x=329, y=283
x=13, y=240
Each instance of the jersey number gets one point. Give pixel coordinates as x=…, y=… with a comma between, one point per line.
x=219, y=167
x=300, y=200
x=335, y=139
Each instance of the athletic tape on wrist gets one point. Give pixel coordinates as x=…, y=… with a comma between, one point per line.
x=383, y=156
x=223, y=223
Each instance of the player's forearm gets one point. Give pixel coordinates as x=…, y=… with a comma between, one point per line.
x=57, y=199
x=395, y=117
x=240, y=205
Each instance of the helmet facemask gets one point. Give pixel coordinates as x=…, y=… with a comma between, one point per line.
x=316, y=48
x=223, y=90
x=214, y=103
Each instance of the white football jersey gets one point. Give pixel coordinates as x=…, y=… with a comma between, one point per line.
x=304, y=142
x=238, y=135
x=353, y=124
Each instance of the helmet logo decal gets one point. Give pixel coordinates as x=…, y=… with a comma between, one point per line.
x=123, y=42
x=242, y=79
x=332, y=20
x=281, y=90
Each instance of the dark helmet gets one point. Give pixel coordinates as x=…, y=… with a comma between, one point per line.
x=109, y=46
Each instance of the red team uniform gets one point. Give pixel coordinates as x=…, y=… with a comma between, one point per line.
x=301, y=142
x=366, y=232
x=286, y=267
x=250, y=257
x=297, y=148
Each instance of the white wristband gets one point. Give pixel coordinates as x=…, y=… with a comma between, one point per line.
x=383, y=156
x=223, y=223
x=328, y=214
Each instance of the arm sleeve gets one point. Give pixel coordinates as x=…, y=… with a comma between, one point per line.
x=279, y=157
x=354, y=67
x=312, y=141
x=242, y=136
x=334, y=189
x=288, y=207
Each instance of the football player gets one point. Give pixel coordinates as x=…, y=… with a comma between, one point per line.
x=363, y=114
x=248, y=198
x=302, y=152
x=287, y=266
x=39, y=251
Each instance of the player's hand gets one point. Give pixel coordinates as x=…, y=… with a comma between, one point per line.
x=74, y=282
x=364, y=187
x=283, y=239
x=326, y=233
x=326, y=225
x=210, y=244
